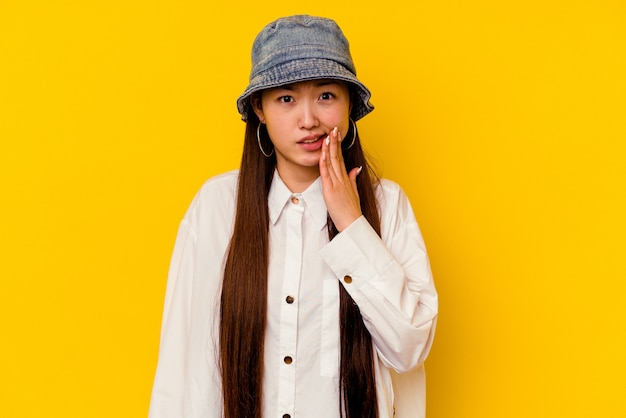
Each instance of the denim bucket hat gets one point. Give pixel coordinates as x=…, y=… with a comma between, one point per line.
x=300, y=48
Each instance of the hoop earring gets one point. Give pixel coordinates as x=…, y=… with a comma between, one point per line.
x=258, y=140
x=353, y=134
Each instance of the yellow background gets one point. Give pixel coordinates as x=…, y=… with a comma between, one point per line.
x=504, y=122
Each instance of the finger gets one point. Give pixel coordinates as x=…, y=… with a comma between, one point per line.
x=332, y=142
x=325, y=173
x=329, y=173
x=325, y=167
x=354, y=173
x=327, y=160
x=336, y=156
x=322, y=164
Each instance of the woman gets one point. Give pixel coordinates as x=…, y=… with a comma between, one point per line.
x=299, y=285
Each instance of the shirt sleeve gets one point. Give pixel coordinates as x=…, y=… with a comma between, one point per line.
x=187, y=381
x=390, y=280
x=169, y=386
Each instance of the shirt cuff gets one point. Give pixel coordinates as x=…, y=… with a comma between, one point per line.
x=357, y=255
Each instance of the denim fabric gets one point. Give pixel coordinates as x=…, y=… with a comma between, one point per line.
x=299, y=48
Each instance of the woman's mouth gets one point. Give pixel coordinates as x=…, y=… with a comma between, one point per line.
x=313, y=139
x=312, y=143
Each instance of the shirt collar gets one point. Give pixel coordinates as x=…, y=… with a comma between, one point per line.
x=312, y=199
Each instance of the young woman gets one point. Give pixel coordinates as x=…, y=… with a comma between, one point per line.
x=299, y=285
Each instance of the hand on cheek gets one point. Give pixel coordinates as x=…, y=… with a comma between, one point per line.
x=339, y=186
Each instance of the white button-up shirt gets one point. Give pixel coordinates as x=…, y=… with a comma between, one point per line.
x=388, y=277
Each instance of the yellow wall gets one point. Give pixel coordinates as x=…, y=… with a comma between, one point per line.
x=504, y=121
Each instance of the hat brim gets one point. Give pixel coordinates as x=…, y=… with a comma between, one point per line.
x=303, y=70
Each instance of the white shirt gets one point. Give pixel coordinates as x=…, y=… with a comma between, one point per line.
x=391, y=283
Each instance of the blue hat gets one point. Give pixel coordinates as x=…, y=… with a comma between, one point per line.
x=300, y=48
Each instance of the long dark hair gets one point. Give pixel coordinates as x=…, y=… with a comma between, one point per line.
x=244, y=291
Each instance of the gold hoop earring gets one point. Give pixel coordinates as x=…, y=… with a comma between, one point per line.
x=353, y=134
x=258, y=140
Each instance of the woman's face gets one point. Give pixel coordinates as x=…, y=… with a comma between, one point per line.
x=298, y=117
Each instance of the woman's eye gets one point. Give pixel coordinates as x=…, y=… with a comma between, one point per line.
x=327, y=96
x=285, y=99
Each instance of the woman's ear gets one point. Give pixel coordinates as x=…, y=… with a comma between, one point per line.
x=255, y=102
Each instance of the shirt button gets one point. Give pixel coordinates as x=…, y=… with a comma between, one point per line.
x=295, y=200
x=286, y=416
x=288, y=360
x=347, y=279
x=289, y=299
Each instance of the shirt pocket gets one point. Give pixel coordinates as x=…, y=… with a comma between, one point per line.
x=329, y=345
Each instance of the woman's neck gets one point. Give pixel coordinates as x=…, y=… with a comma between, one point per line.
x=297, y=181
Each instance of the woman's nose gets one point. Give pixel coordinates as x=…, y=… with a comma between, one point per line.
x=308, y=116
